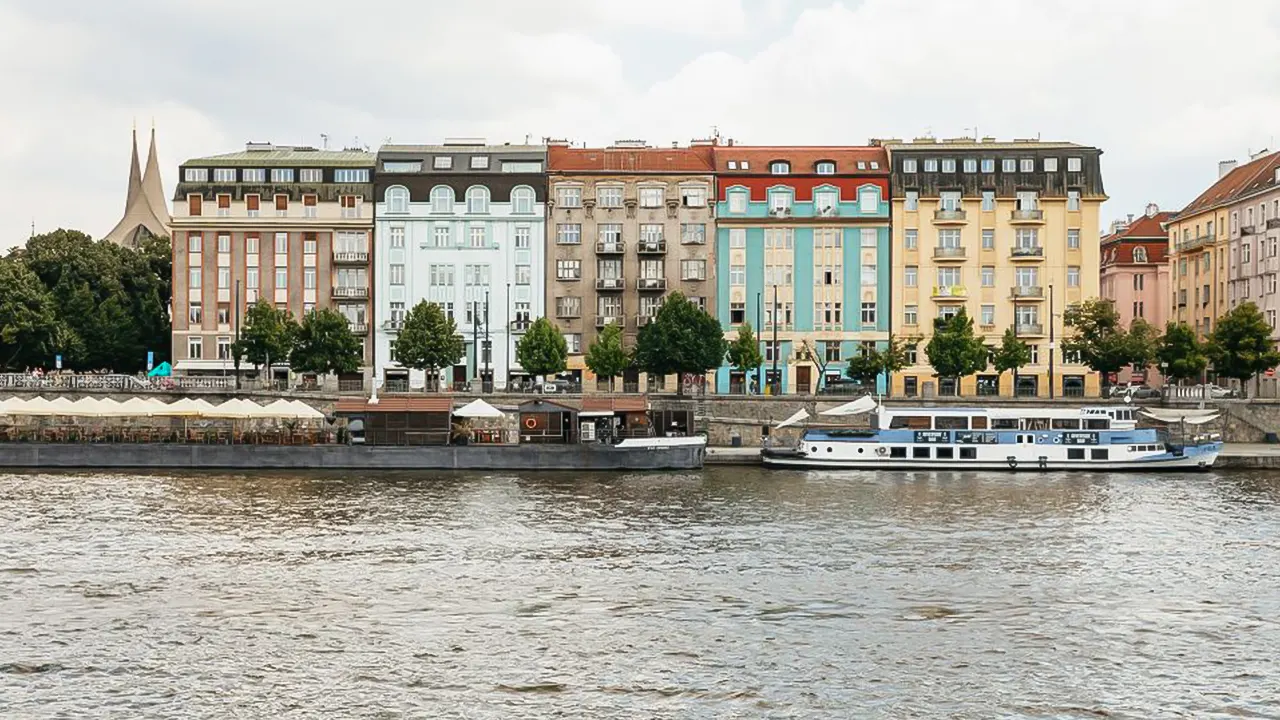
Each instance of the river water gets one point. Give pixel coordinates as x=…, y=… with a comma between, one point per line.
x=722, y=594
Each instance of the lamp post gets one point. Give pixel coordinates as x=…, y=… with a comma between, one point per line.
x=759, y=343
x=776, y=381
x=506, y=342
x=235, y=353
x=1051, y=343
x=488, y=349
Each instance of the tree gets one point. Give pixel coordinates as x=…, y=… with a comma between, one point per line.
x=954, y=351
x=744, y=352
x=325, y=344
x=1241, y=345
x=429, y=341
x=897, y=355
x=543, y=351
x=606, y=356
x=1011, y=354
x=865, y=366
x=682, y=338
x=268, y=335
x=1101, y=343
x=1181, y=354
x=30, y=332
x=807, y=353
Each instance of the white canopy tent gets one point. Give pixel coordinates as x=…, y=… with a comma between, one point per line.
x=796, y=417
x=479, y=409
x=1190, y=417
x=862, y=405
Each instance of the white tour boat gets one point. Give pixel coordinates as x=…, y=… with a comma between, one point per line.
x=999, y=438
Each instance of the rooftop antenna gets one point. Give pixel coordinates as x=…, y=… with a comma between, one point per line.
x=975, y=131
x=33, y=227
x=324, y=141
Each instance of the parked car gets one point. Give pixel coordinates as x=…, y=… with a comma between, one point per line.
x=1216, y=392
x=1135, y=391
x=557, y=386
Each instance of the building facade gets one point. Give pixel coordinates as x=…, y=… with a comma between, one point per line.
x=802, y=254
x=289, y=225
x=1007, y=231
x=629, y=224
x=460, y=225
x=1135, y=277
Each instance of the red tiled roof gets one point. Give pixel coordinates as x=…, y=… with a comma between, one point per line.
x=695, y=159
x=396, y=404
x=1146, y=232
x=615, y=404
x=1250, y=177
x=803, y=158
x=1146, y=226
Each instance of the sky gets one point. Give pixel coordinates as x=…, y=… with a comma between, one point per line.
x=1166, y=88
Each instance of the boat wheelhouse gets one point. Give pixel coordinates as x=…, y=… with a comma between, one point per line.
x=997, y=438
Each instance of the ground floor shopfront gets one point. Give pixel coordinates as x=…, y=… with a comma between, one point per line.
x=1032, y=382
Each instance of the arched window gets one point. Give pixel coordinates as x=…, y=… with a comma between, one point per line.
x=477, y=200
x=868, y=201
x=1139, y=254
x=442, y=199
x=522, y=200
x=397, y=199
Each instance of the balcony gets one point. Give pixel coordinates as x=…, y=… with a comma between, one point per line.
x=1193, y=243
x=1273, y=223
x=1248, y=230
x=603, y=320
x=1025, y=253
x=658, y=284
x=1027, y=292
x=348, y=291
x=519, y=325
x=358, y=328
x=610, y=283
x=945, y=254
x=651, y=247
x=1029, y=329
x=350, y=257
x=611, y=247
x=947, y=293
x=393, y=325
x=642, y=320
x=949, y=217
x=1027, y=217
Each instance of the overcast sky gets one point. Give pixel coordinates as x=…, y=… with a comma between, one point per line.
x=1165, y=87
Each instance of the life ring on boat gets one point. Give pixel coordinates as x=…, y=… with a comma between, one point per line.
x=882, y=450
x=1057, y=439
x=1013, y=462
x=530, y=423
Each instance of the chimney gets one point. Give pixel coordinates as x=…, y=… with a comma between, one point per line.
x=1152, y=209
x=1260, y=153
x=1129, y=220
x=1224, y=167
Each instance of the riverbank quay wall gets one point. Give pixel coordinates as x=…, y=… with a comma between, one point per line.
x=751, y=419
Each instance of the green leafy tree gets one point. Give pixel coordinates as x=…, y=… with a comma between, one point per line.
x=543, y=351
x=30, y=332
x=325, y=344
x=429, y=341
x=744, y=352
x=606, y=356
x=682, y=338
x=1181, y=354
x=268, y=335
x=897, y=355
x=954, y=351
x=1241, y=345
x=1011, y=354
x=1102, y=343
x=865, y=366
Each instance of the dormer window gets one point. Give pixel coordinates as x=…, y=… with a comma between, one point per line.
x=779, y=168
x=442, y=162
x=862, y=164
x=825, y=167
x=479, y=162
x=733, y=164
x=1139, y=254
x=745, y=165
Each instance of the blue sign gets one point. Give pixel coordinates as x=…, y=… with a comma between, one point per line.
x=151, y=360
x=57, y=361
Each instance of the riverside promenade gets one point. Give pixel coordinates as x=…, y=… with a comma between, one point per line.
x=1234, y=456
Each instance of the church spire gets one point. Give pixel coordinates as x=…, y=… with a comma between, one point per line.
x=151, y=185
x=142, y=215
x=135, y=173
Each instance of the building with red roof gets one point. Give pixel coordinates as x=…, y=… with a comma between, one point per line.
x=1134, y=275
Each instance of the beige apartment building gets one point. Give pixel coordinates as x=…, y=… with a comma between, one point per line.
x=290, y=225
x=626, y=225
x=1009, y=232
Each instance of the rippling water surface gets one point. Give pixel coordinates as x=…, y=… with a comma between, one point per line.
x=727, y=593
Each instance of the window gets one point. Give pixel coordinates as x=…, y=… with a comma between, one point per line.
x=521, y=199
x=1035, y=354
x=195, y=175
x=608, y=306
x=573, y=341
x=478, y=235
x=282, y=205
x=827, y=314
x=737, y=237
x=251, y=278
x=397, y=200
x=909, y=277
x=988, y=165
x=1073, y=200
x=569, y=196
x=1027, y=238
x=1244, y=257
x=282, y=243
x=825, y=168
x=1027, y=165
x=1073, y=164
x=522, y=237
x=1271, y=283
x=738, y=275
x=1073, y=276
x=693, y=269
x=309, y=277
x=569, y=234
x=440, y=275
x=1138, y=308
x=1073, y=239
x=693, y=234
x=652, y=197
x=251, y=245
x=988, y=276
x=988, y=315
x=949, y=238
x=253, y=175
x=193, y=205
x=282, y=278
x=195, y=347
x=948, y=277
x=971, y=165
x=988, y=200
x=988, y=239
x=948, y=165
x=737, y=313
x=441, y=235
x=569, y=306
x=311, y=175
x=1026, y=277
x=1008, y=165
x=568, y=269
x=281, y=175
x=309, y=244
x=780, y=201
x=912, y=201
x=1271, y=317
x=252, y=204
x=909, y=165
x=477, y=200
x=909, y=238
x=1051, y=164
x=931, y=165
x=442, y=162
x=868, y=313
x=194, y=314
x=194, y=242
x=479, y=162
x=738, y=202
x=949, y=200
x=779, y=168
x=868, y=275
x=1139, y=254
x=442, y=199
x=868, y=201
x=224, y=175
x=476, y=275
x=869, y=237
x=784, y=238
x=825, y=201
x=1139, y=281
x=651, y=232
x=910, y=314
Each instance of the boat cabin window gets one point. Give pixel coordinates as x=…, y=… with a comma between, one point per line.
x=1098, y=454
x=978, y=422
x=1035, y=423
x=920, y=452
x=1122, y=414
x=945, y=453
x=951, y=422
x=897, y=452
x=1004, y=424
x=915, y=422
x=1075, y=453
x=1097, y=423
x=1066, y=424
x=968, y=453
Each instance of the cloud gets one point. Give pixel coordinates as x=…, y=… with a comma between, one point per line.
x=1166, y=88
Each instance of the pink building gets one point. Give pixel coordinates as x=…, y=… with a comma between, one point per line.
x=1135, y=276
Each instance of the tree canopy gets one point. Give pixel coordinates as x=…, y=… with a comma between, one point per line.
x=30, y=331
x=954, y=351
x=744, y=351
x=1181, y=354
x=267, y=336
x=682, y=338
x=543, y=350
x=1241, y=345
x=606, y=356
x=428, y=341
x=1011, y=354
x=325, y=344
x=1102, y=343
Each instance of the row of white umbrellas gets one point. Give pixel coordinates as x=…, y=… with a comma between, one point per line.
x=237, y=408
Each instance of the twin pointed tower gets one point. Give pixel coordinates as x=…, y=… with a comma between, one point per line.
x=145, y=211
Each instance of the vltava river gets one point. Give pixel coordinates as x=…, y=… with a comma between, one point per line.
x=731, y=593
